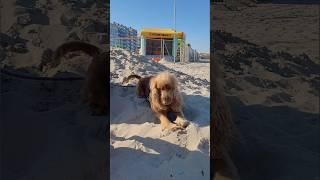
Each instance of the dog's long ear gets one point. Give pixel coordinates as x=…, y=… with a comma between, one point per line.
x=154, y=96
x=177, y=97
x=153, y=86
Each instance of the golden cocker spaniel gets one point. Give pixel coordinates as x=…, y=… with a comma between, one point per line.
x=164, y=96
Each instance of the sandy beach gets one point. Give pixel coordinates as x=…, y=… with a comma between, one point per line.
x=137, y=139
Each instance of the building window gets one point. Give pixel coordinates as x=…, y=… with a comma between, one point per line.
x=153, y=47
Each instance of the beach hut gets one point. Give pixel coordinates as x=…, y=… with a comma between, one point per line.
x=158, y=43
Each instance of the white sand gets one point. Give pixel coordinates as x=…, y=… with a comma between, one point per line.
x=139, y=148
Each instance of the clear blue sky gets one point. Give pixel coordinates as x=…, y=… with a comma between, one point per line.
x=192, y=17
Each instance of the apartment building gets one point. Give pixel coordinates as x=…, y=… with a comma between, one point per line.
x=124, y=37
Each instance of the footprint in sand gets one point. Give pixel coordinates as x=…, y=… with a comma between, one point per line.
x=204, y=145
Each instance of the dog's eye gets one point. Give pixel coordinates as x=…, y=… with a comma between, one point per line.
x=165, y=87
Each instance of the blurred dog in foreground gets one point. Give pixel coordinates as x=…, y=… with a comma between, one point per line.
x=222, y=132
x=95, y=88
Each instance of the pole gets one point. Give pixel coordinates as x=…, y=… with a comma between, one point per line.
x=174, y=37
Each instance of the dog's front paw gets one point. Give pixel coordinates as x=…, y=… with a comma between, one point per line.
x=172, y=127
x=181, y=122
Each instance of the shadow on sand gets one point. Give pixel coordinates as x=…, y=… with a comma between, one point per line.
x=45, y=134
x=135, y=160
x=275, y=142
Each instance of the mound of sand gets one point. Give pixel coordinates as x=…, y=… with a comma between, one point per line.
x=257, y=75
x=30, y=29
x=289, y=27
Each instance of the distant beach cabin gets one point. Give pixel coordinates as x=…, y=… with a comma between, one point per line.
x=158, y=43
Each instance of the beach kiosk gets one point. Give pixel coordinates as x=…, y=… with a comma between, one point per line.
x=158, y=43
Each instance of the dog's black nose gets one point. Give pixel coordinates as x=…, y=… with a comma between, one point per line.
x=166, y=99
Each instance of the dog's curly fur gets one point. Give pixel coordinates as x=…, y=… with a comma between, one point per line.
x=95, y=88
x=164, y=96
